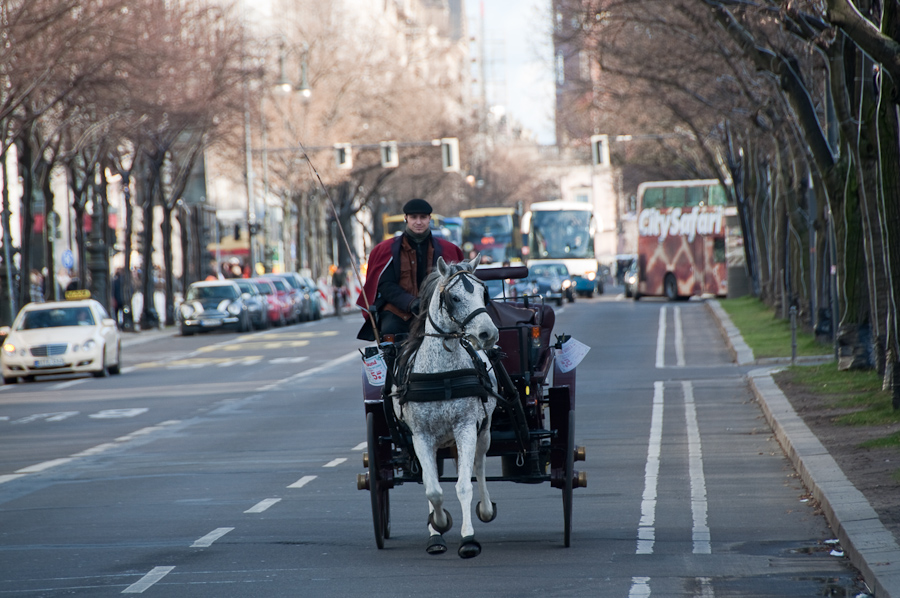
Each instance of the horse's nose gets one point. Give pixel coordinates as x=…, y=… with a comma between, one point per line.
x=487, y=338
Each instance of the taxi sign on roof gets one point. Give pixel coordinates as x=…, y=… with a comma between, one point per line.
x=77, y=294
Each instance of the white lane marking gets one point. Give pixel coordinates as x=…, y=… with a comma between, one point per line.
x=44, y=466
x=661, y=339
x=4, y=418
x=360, y=446
x=706, y=589
x=679, y=338
x=640, y=587
x=335, y=462
x=39, y=467
x=119, y=413
x=148, y=580
x=324, y=366
x=646, y=527
x=289, y=359
x=302, y=481
x=695, y=467
x=57, y=416
x=63, y=385
x=262, y=505
x=207, y=540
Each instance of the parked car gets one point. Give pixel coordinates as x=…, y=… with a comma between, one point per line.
x=279, y=311
x=295, y=295
x=213, y=305
x=551, y=269
x=315, y=297
x=630, y=280
x=256, y=303
x=60, y=337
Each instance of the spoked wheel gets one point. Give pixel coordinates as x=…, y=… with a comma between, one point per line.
x=381, y=506
x=570, y=481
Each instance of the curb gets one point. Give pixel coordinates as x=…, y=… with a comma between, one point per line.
x=870, y=546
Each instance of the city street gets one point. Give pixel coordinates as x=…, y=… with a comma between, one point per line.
x=225, y=465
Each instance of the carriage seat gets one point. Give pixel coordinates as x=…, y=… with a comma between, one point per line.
x=514, y=321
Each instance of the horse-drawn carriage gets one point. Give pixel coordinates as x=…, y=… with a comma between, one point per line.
x=508, y=386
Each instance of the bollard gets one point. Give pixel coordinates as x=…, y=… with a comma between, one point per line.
x=793, y=334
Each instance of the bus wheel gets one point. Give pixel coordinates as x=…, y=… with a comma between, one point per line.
x=670, y=287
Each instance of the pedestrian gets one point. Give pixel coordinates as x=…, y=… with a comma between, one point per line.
x=396, y=269
x=36, y=288
x=338, y=280
x=118, y=297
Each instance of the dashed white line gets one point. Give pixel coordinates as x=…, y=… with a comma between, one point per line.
x=640, y=587
x=646, y=527
x=361, y=446
x=335, y=462
x=661, y=339
x=695, y=467
x=302, y=481
x=207, y=540
x=148, y=580
x=63, y=385
x=10, y=477
x=262, y=505
x=679, y=339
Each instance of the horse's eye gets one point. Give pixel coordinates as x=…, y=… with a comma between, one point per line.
x=456, y=299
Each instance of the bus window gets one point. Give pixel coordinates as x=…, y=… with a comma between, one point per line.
x=696, y=196
x=675, y=197
x=653, y=197
x=717, y=196
x=719, y=250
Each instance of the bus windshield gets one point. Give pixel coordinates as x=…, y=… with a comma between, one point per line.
x=494, y=236
x=561, y=235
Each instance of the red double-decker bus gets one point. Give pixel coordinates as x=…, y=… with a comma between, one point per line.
x=683, y=239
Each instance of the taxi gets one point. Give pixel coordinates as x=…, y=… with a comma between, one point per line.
x=60, y=337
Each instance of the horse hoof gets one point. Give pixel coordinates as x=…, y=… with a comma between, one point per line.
x=441, y=530
x=436, y=545
x=469, y=547
x=493, y=512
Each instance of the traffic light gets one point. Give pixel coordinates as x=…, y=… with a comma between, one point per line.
x=450, y=154
x=389, y=156
x=343, y=156
x=600, y=150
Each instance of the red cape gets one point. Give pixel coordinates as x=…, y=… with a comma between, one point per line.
x=383, y=256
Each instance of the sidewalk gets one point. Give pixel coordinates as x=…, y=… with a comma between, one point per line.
x=870, y=546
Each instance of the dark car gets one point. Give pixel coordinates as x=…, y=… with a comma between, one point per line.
x=630, y=280
x=256, y=302
x=551, y=269
x=542, y=280
x=214, y=305
x=315, y=297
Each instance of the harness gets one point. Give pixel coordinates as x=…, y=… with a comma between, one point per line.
x=454, y=384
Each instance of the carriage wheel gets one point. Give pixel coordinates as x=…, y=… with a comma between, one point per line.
x=381, y=509
x=570, y=480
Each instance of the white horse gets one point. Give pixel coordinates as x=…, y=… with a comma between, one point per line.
x=437, y=359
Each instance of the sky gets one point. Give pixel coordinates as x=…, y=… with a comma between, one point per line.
x=519, y=59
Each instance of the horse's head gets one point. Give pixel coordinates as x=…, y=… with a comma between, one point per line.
x=459, y=304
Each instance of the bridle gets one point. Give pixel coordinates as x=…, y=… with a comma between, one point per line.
x=446, y=305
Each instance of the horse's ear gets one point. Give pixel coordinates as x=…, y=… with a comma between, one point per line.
x=473, y=263
x=442, y=267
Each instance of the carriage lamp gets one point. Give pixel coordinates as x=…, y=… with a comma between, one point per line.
x=536, y=336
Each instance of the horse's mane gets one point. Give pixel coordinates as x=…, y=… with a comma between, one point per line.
x=417, y=327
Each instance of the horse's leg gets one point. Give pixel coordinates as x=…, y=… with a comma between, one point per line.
x=438, y=519
x=466, y=438
x=485, y=509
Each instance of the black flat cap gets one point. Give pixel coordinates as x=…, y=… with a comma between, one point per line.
x=417, y=206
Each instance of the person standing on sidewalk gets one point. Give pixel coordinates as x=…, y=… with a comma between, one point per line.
x=338, y=280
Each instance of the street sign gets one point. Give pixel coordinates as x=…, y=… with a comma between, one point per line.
x=68, y=259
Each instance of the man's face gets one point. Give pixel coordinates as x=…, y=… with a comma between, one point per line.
x=418, y=223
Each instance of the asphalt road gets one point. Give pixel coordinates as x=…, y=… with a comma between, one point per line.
x=225, y=465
